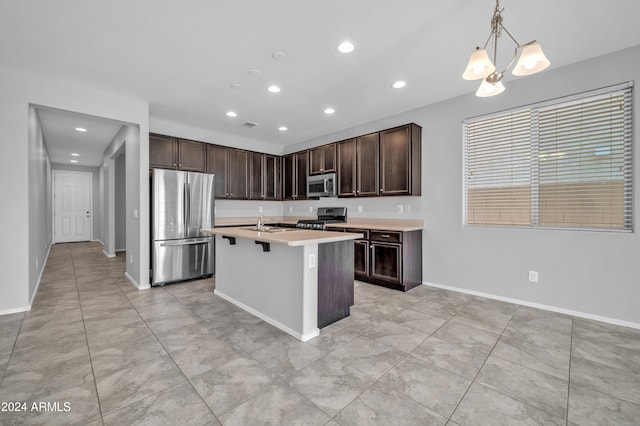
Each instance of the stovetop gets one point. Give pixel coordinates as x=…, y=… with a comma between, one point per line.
x=325, y=215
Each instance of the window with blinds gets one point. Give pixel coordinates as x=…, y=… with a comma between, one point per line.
x=565, y=164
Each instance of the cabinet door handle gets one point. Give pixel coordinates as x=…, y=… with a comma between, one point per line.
x=385, y=236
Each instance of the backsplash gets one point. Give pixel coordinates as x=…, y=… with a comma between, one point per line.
x=374, y=207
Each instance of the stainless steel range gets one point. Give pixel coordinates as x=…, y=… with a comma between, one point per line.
x=326, y=215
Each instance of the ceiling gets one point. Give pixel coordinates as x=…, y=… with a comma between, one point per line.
x=183, y=57
x=67, y=145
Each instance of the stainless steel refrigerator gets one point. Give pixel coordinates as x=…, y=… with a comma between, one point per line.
x=182, y=203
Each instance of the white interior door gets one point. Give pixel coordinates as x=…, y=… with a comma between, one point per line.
x=72, y=206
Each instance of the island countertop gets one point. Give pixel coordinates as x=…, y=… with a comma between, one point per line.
x=291, y=236
x=400, y=225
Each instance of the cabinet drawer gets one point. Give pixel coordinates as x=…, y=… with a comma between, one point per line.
x=364, y=232
x=386, y=236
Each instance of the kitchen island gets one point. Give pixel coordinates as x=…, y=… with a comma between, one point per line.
x=295, y=279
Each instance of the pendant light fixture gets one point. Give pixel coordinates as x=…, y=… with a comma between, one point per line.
x=531, y=60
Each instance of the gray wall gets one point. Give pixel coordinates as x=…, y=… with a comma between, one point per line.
x=40, y=221
x=132, y=142
x=96, y=220
x=27, y=225
x=120, y=203
x=589, y=272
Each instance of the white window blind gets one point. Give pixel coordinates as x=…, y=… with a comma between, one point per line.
x=561, y=165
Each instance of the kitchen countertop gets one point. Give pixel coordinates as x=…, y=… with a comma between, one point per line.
x=400, y=225
x=291, y=237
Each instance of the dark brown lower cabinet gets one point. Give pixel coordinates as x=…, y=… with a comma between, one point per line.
x=389, y=258
x=361, y=258
x=386, y=262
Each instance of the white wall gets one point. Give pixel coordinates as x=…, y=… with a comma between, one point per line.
x=594, y=273
x=96, y=219
x=23, y=224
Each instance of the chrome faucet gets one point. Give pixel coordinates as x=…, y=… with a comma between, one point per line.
x=260, y=223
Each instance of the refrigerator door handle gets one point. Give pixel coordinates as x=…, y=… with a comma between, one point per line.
x=188, y=205
x=184, y=203
x=184, y=243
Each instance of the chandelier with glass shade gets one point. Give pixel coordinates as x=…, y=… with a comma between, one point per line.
x=530, y=61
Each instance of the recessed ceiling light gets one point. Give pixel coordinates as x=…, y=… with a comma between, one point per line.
x=283, y=128
x=73, y=154
x=74, y=161
x=254, y=72
x=231, y=114
x=273, y=89
x=346, y=47
x=277, y=55
x=329, y=111
x=399, y=84
x=81, y=129
x=236, y=86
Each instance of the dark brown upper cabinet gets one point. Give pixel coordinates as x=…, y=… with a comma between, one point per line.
x=322, y=159
x=264, y=176
x=230, y=166
x=400, y=160
x=368, y=165
x=162, y=152
x=295, y=169
x=237, y=173
x=358, y=161
x=178, y=154
x=217, y=164
x=192, y=156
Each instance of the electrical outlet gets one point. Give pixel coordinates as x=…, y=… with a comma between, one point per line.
x=312, y=260
x=533, y=276
x=359, y=209
x=130, y=258
x=310, y=209
x=400, y=208
x=135, y=213
x=260, y=209
x=290, y=209
x=37, y=263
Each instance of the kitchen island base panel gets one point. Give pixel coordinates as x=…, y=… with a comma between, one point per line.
x=335, y=282
x=279, y=286
x=268, y=319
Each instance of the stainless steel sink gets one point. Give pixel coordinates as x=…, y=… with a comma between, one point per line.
x=271, y=229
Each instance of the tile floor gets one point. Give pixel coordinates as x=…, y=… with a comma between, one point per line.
x=180, y=355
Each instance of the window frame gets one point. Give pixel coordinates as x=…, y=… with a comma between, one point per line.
x=534, y=162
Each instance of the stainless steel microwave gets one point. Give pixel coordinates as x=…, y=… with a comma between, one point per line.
x=321, y=185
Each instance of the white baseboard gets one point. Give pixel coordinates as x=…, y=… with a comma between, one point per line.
x=35, y=291
x=579, y=314
x=135, y=283
x=107, y=254
x=265, y=318
x=14, y=310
